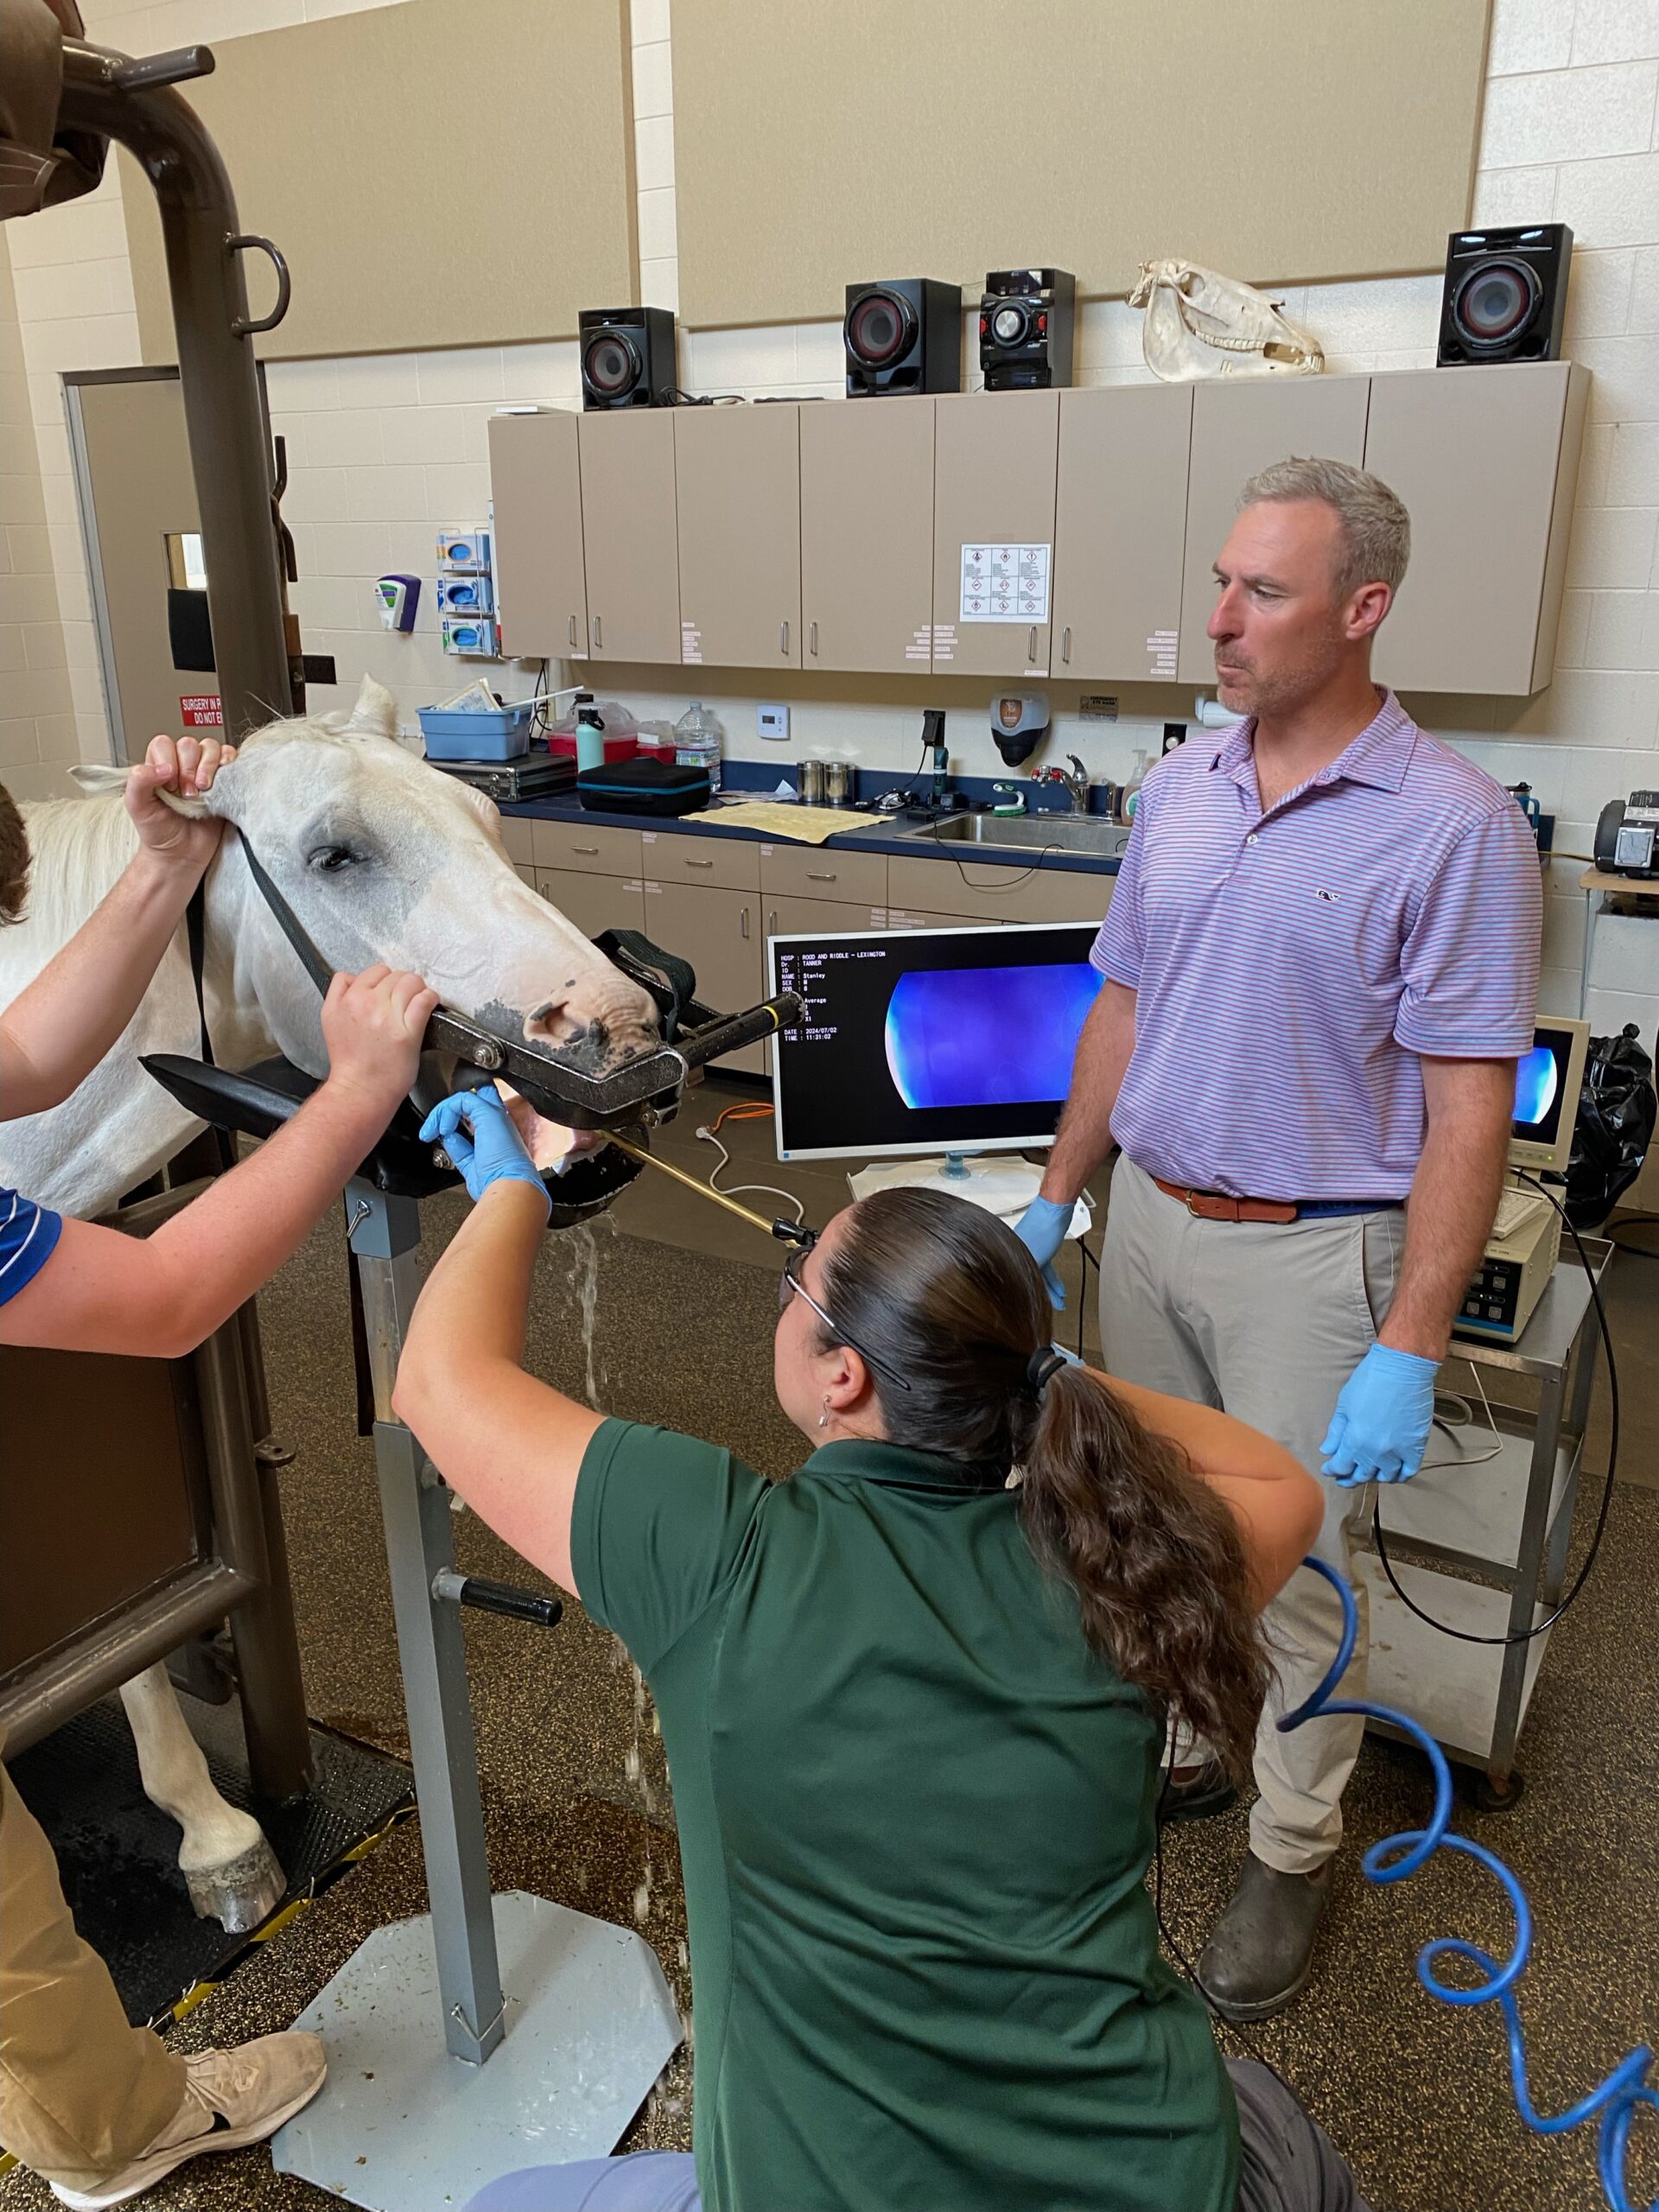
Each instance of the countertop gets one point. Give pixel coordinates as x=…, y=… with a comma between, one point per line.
x=872, y=838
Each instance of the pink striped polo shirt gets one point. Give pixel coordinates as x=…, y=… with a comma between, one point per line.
x=1289, y=968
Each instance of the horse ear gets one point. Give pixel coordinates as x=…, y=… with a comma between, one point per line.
x=95, y=778
x=376, y=711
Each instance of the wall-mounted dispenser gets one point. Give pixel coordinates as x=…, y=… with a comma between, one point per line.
x=399, y=597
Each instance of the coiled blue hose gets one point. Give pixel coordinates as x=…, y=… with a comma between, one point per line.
x=1396, y=1858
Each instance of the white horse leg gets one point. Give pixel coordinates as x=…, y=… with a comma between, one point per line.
x=230, y=1870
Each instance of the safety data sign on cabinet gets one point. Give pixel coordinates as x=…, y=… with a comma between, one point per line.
x=1004, y=584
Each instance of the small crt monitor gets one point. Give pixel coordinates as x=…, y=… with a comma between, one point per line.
x=1547, y=1080
x=929, y=1041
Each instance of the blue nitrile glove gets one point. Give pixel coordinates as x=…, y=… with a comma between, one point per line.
x=1041, y=1228
x=1379, y=1428
x=476, y=1130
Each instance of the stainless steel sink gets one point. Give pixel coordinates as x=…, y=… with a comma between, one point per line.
x=1025, y=833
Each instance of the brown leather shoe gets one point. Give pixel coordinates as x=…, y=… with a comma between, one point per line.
x=1196, y=1793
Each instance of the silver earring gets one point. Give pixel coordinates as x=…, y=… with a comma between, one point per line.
x=824, y=1418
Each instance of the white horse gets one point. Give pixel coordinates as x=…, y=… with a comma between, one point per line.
x=381, y=858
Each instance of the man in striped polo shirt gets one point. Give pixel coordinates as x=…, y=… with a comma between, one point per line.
x=1321, y=964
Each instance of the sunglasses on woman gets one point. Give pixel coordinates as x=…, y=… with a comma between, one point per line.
x=789, y=1285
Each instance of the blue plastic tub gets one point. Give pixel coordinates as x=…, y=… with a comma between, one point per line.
x=503, y=735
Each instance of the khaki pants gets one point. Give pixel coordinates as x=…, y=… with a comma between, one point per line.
x=1268, y=1322
x=82, y=2093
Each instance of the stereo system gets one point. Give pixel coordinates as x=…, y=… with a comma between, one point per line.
x=1505, y=296
x=627, y=357
x=1025, y=330
x=904, y=336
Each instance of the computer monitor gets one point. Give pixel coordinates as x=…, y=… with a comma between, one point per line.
x=1547, y=1081
x=929, y=1041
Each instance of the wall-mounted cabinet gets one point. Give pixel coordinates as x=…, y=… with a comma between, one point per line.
x=867, y=536
x=737, y=475
x=630, y=538
x=1119, y=531
x=1239, y=428
x=1486, y=462
x=540, y=580
x=832, y=535
x=994, y=476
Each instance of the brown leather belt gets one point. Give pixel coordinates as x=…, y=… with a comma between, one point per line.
x=1212, y=1205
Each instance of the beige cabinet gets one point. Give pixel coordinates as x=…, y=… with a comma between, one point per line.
x=867, y=536
x=586, y=847
x=540, y=588
x=994, y=456
x=593, y=903
x=630, y=542
x=787, y=917
x=983, y=891
x=1239, y=428
x=1486, y=461
x=1119, y=531
x=723, y=863
x=719, y=932
x=820, y=871
x=737, y=478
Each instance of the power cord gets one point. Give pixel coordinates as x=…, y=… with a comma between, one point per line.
x=709, y=1133
x=1526, y=1634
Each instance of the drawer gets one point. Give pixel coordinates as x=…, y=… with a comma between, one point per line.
x=982, y=892
x=517, y=832
x=595, y=851
x=806, y=871
x=716, y=863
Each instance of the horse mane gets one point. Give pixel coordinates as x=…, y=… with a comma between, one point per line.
x=77, y=847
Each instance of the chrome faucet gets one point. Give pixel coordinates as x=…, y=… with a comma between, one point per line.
x=1076, y=786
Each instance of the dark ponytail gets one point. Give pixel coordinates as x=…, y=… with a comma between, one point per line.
x=14, y=859
x=950, y=1297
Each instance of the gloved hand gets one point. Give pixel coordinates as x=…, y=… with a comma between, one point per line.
x=1380, y=1428
x=1041, y=1228
x=475, y=1129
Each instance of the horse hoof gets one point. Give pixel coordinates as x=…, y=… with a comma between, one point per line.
x=241, y=1893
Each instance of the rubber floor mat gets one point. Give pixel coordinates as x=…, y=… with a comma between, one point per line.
x=117, y=1856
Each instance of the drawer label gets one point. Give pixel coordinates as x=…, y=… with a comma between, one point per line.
x=1160, y=652
x=690, y=642
x=1004, y=584
x=920, y=646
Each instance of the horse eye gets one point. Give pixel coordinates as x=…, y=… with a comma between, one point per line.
x=331, y=859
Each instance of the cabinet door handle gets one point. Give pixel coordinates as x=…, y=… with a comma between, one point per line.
x=587, y=852
x=1031, y=643
x=699, y=863
x=599, y=631
x=812, y=640
x=783, y=638
x=772, y=922
x=743, y=921
x=819, y=875
x=1065, y=643
x=573, y=631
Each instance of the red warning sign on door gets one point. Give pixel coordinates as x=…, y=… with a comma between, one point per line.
x=202, y=710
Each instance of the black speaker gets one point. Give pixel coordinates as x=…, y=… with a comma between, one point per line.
x=1505, y=296
x=627, y=357
x=1025, y=328
x=904, y=336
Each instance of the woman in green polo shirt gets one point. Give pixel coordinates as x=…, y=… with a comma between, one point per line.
x=915, y=1715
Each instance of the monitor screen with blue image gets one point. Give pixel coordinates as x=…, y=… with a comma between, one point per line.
x=1547, y=1081
x=929, y=1041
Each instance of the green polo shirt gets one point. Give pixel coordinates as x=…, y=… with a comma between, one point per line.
x=915, y=1815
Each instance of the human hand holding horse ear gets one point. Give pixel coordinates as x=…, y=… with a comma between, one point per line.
x=186, y=767
x=372, y=1024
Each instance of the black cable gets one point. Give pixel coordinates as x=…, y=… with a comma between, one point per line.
x=1635, y=1251
x=1526, y=1634
x=1174, y=1949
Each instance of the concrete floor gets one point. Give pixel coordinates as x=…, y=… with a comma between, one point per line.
x=1415, y=2095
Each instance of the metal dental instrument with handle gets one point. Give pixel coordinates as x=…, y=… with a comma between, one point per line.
x=787, y=1232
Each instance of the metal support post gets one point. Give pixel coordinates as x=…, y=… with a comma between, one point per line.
x=385, y=1236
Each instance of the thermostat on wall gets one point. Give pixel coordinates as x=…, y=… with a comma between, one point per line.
x=772, y=722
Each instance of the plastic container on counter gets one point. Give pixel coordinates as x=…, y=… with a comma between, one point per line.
x=656, y=742
x=456, y=735
x=622, y=741
x=697, y=740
